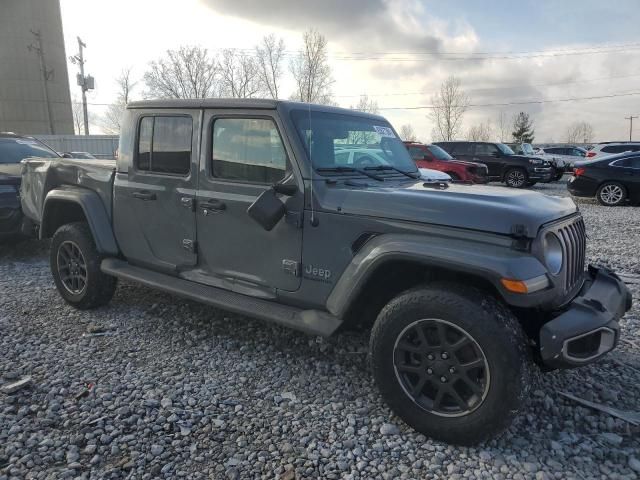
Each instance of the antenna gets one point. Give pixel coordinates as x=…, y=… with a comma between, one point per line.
x=314, y=220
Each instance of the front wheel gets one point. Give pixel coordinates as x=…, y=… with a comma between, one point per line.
x=611, y=194
x=75, y=266
x=451, y=361
x=516, y=178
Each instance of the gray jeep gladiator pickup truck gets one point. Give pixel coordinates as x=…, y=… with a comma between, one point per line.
x=316, y=218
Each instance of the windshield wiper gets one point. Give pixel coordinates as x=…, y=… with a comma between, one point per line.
x=350, y=169
x=415, y=175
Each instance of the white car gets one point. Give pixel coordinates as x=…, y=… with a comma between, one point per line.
x=430, y=175
x=611, y=148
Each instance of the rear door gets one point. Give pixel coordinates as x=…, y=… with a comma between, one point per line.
x=154, y=218
x=243, y=155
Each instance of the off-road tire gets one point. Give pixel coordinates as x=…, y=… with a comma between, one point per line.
x=494, y=329
x=605, y=194
x=98, y=288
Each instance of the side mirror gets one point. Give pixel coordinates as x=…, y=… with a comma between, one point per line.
x=495, y=154
x=286, y=190
x=267, y=210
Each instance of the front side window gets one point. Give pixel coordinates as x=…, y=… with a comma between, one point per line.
x=462, y=149
x=416, y=153
x=372, y=142
x=487, y=149
x=248, y=150
x=504, y=149
x=439, y=153
x=164, y=145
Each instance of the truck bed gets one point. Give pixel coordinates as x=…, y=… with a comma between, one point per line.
x=41, y=175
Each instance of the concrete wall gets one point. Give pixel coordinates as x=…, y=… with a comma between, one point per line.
x=22, y=106
x=101, y=146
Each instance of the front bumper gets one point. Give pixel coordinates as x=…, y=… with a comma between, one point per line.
x=588, y=328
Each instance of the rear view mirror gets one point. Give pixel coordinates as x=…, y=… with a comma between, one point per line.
x=267, y=210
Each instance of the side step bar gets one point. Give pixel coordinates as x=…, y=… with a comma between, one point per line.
x=314, y=322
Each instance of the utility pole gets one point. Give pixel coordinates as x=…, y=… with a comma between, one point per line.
x=85, y=82
x=46, y=75
x=630, y=118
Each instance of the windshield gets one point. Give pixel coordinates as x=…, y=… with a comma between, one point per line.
x=13, y=150
x=439, y=153
x=504, y=149
x=527, y=149
x=343, y=141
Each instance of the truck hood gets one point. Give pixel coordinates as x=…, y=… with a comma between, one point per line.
x=475, y=207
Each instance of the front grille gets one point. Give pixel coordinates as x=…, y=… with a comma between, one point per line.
x=573, y=238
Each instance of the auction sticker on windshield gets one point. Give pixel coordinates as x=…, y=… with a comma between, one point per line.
x=384, y=131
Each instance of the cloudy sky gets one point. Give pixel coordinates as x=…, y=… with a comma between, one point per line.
x=399, y=51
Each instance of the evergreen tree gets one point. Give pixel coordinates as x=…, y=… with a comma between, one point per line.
x=523, y=128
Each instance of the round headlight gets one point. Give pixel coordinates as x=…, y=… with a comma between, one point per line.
x=553, y=255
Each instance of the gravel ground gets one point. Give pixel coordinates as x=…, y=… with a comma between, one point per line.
x=179, y=389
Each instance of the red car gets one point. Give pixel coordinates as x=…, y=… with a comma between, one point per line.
x=434, y=157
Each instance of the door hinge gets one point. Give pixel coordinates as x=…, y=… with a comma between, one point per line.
x=291, y=267
x=189, y=245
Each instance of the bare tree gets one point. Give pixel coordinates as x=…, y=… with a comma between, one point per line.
x=111, y=120
x=239, y=75
x=449, y=106
x=407, y=133
x=311, y=70
x=78, y=115
x=365, y=104
x=270, y=54
x=482, y=132
x=188, y=72
x=580, y=132
x=503, y=127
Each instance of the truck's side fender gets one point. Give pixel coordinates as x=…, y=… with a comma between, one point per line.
x=53, y=215
x=489, y=261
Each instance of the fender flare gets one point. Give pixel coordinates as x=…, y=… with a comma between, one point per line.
x=465, y=256
x=94, y=212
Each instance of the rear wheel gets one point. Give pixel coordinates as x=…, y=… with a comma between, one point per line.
x=75, y=266
x=516, y=178
x=451, y=361
x=611, y=194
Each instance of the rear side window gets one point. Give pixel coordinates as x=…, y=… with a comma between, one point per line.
x=249, y=150
x=621, y=148
x=462, y=149
x=416, y=153
x=632, y=162
x=164, y=144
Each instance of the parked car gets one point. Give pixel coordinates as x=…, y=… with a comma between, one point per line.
x=517, y=171
x=434, y=157
x=612, y=180
x=13, y=149
x=558, y=164
x=244, y=205
x=612, y=148
x=570, y=154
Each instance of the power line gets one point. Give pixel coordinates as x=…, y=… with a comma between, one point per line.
x=524, y=102
x=502, y=87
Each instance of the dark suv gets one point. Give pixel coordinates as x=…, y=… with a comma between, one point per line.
x=13, y=149
x=504, y=165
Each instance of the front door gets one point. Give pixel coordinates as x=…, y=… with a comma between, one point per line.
x=154, y=215
x=243, y=155
x=489, y=154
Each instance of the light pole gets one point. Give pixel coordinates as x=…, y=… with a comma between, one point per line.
x=630, y=118
x=46, y=75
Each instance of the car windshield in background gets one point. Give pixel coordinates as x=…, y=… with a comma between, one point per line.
x=439, y=153
x=527, y=149
x=504, y=149
x=13, y=150
x=345, y=142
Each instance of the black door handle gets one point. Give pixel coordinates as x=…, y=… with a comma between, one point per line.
x=212, y=205
x=144, y=195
